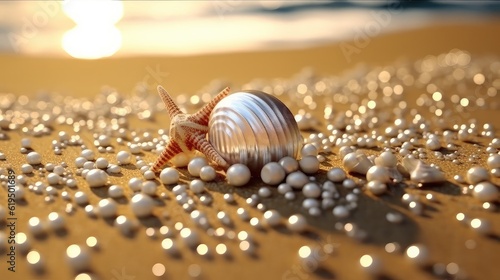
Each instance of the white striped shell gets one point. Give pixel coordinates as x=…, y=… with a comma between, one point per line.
x=253, y=128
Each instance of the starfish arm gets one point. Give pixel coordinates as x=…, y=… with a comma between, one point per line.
x=172, y=108
x=203, y=114
x=171, y=149
x=201, y=144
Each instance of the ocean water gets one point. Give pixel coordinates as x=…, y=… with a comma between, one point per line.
x=94, y=29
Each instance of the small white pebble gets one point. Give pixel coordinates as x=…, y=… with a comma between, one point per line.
x=238, y=175
x=243, y=214
x=33, y=158
x=35, y=225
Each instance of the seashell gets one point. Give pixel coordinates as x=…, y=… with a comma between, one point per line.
x=421, y=172
x=253, y=128
x=357, y=163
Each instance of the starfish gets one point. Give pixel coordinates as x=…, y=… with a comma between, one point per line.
x=188, y=132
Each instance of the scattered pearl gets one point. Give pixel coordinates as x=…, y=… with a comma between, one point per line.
x=81, y=198
x=35, y=225
x=336, y=175
x=135, y=184
x=378, y=173
x=26, y=168
x=297, y=179
x=101, y=163
x=170, y=246
x=393, y=217
x=309, y=164
x=125, y=225
x=197, y=186
x=272, y=173
x=243, y=214
x=229, y=197
x=309, y=150
x=481, y=226
x=494, y=161
x=142, y=205
x=376, y=187
x=87, y=154
x=264, y=192
x=77, y=257
x=123, y=157
x=238, y=175
x=477, y=175
x=26, y=143
x=311, y=190
x=418, y=254
x=297, y=223
x=207, y=173
x=307, y=258
x=22, y=242
x=433, y=144
x=195, y=166
x=290, y=195
x=340, y=211
x=115, y=191
x=96, y=178
x=169, y=176
x=149, y=175
x=35, y=260
x=33, y=158
x=387, y=159
x=107, y=208
x=370, y=264
x=289, y=164
x=189, y=237
x=284, y=188
x=486, y=192
x=149, y=188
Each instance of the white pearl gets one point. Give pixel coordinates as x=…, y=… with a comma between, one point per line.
x=169, y=176
x=308, y=259
x=336, y=175
x=378, y=173
x=87, y=154
x=81, y=198
x=309, y=203
x=289, y=164
x=189, y=237
x=35, y=261
x=170, y=246
x=125, y=225
x=22, y=242
x=96, y=178
x=309, y=150
x=115, y=191
x=297, y=179
x=264, y=192
x=481, y=226
x=149, y=188
x=53, y=179
x=104, y=140
x=272, y=173
x=486, y=192
x=477, y=174
x=357, y=163
x=340, y=211
x=123, y=157
x=55, y=221
x=101, y=163
x=311, y=190
x=290, y=195
x=494, y=161
x=89, y=165
x=35, y=225
x=370, y=264
x=433, y=144
x=297, y=223
x=418, y=254
x=309, y=164
x=149, y=175
x=33, y=158
x=195, y=166
x=26, y=143
x=135, y=184
x=197, y=186
x=107, y=208
x=26, y=168
x=272, y=218
x=207, y=173
x=238, y=175
x=243, y=214
x=113, y=169
x=284, y=188
x=142, y=205
x=394, y=217
x=77, y=257
x=229, y=198
x=387, y=159
x=377, y=187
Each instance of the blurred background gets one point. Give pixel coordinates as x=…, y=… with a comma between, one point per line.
x=96, y=29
